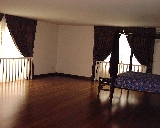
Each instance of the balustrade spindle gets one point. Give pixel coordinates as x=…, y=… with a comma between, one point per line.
x=15, y=69
x=102, y=69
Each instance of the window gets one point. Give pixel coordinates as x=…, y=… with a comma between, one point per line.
x=124, y=52
x=102, y=67
x=7, y=47
x=9, y=54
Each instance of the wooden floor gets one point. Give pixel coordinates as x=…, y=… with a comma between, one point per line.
x=63, y=102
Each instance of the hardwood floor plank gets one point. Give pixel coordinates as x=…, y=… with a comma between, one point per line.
x=63, y=102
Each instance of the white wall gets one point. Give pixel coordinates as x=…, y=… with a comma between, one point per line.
x=69, y=50
x=75, y=50
x=156, y=58
x=45, y=48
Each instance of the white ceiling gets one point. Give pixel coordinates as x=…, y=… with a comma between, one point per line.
x=145, y=13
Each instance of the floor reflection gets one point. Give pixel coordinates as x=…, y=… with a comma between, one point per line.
x=12, y=99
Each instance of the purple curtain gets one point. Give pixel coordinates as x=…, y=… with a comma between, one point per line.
x=23, y=33
x=142, y=42
x=1, y=16
x=103, y=43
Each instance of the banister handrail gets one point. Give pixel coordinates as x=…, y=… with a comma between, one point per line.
x=18, y=58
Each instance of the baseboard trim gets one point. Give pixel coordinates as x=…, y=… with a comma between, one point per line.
x=62, y=74
x=44, y=75
x=73, y=76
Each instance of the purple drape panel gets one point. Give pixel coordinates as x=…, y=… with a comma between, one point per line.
x=142, y=44
x=23, y=33
x=103, y=43
x=143, y=49
x=1, y=16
